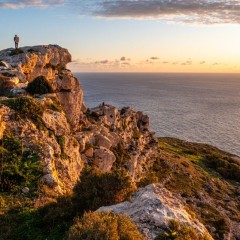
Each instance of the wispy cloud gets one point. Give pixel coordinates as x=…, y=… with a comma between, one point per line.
x=125, y=59
x=189, y=62
x=154, y=58
x=185, y=11
x=30, y=3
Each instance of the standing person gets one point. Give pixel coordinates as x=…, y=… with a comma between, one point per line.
x=16, y=40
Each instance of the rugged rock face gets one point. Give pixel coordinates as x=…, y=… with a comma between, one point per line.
x=152, y=207
x=21, y=66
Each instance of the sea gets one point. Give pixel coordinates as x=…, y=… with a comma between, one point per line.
x=201, y=108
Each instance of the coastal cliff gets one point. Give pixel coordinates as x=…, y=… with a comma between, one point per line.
x=60, y=158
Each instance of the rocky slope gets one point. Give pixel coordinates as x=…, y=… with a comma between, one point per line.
x=48, y=137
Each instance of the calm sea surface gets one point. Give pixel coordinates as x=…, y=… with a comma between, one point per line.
x=195, y=107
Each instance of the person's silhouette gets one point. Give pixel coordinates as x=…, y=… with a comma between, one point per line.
x=16, y=40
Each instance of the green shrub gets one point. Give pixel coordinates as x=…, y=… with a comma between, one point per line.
x=226, y=167
x=104, y=226
x=55, y=105
x=19, y=167
x=16, y=51
x=97, y=189
x=39, y=85
x=26, y=107
x=61, y=142
x=122, y=156
x=179, y=231
x=149, y=178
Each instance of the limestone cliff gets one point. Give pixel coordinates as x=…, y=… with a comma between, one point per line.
x=20, y=66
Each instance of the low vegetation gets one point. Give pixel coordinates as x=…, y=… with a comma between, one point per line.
x=53, y=221
x=39, y=85
x=19, y=167
x=26, y=108
x=104, y=225
x=97, y=189
x=179, y=231
x=61, y=142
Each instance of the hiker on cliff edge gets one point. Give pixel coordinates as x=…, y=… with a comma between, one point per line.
x=16, y=40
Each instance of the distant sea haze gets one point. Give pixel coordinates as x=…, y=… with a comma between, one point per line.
x=195, y=107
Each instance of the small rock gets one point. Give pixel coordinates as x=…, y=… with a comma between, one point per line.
x=89, y=153
x=25, y=190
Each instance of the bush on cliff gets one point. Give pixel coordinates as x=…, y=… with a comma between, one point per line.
x=97, y=189
x=104, y=225
x=39, y=85
x=26, y=107
x=179, y=231
x=19, y=167
x=225, y=166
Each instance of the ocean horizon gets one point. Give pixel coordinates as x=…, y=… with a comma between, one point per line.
x=195, y=107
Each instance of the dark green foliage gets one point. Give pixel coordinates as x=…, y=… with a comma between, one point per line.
x=55, y=105
x=149, y=178
x=53, y=220
x=61, y=142
x=225, y=166
x=104, y=226
x=39, y=85
x=26, y=107
x=122, y=156
x=19, y=167
x=16, y=51
x=97, y=189
x=178, y=231
x=49, y=222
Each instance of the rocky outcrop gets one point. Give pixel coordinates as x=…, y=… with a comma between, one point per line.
x=103, y=159
x=152, y=207
x=18, y=67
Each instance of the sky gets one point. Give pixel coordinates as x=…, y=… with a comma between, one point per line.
x=130, y=35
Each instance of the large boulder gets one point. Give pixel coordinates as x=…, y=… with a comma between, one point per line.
x=104, y=159
x=152, y=207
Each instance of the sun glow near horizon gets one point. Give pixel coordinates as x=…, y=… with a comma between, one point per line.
x=149, y=36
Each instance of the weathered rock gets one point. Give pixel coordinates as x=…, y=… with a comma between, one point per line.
x=20, y=68
x=89, y=153
x=71, y=101
x=152, y=207
x=102, y=141
x=56, y=121
x=25, y=190
x=103, y=159
x=43, y=60
x=114, y=138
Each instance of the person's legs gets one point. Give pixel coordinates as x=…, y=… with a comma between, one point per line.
x=16, y=45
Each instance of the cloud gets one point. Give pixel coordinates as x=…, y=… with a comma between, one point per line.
x=154, y=58
x=30, y=3
x=202, y=62
x=185, y=11
x=189, y=62
x=125, y=59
